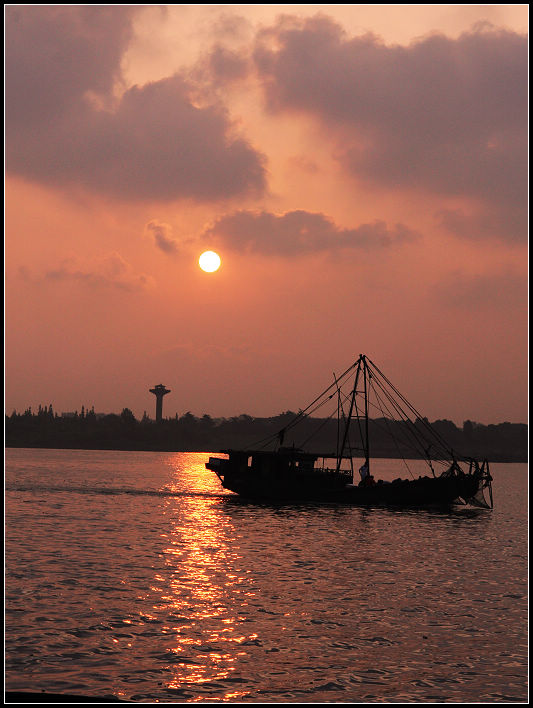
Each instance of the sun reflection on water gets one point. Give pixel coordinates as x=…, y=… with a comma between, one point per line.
x=203, y=589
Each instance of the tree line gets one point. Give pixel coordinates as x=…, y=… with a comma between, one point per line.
x=503, y=442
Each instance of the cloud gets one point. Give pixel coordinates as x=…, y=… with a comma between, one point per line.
x=65, y=126
x=503, y=289
x=299, y=232
x=496, y=221
x=443, y=115
x=227, y=65
x=55, y=54
x=162, y=235
x=226, y=58
x=110, y=271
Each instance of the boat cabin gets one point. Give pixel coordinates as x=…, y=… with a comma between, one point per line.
x=285, y=461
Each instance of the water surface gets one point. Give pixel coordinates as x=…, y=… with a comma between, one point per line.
x=134, y=574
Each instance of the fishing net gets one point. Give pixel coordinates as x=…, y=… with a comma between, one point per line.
x=479, y=499
x=483, y=497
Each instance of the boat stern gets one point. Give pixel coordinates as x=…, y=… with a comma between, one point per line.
x=216, y=465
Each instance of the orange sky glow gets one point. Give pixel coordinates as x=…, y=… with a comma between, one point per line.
x=361, y=171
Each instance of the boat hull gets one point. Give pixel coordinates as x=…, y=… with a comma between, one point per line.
x=425, y=491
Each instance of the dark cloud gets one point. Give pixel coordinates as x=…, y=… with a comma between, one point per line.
x=227, y=58
x=226, y=65
x=55, y=54
x=443, y=115
x=64, y=127
x=162, y=235
x=497, y=221
x=299, y=232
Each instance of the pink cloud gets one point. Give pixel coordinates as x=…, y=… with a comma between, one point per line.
x=448, y=116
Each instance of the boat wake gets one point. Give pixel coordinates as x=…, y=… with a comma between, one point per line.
x=107, y=491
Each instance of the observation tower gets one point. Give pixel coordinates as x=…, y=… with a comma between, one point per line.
x=159, y=391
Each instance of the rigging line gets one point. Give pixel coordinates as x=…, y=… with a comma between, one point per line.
x=396, y=404
x=403, y=413
x=263, y=443
x=318, y=398
x=307, y=416
x=434, y=436
x=319, y=401
x=404, y=418
x=315, y=432
x=396, y=391
x=391, y=419
x=390, y=432
x=345, y=396
x=266, y=440
x=304, y=412
x=321, y=421
x=296, y=421
x=413, y=409
x=320, y=405
x=406, y=435
x=414, y=440
x=358, y=417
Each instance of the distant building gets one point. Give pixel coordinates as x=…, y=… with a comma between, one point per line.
x=159, y=391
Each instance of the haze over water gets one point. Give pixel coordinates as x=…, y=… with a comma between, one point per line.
x=135, y=575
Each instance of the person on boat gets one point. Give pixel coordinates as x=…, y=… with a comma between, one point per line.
x=366, y=478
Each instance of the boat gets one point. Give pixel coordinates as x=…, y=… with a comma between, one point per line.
x=272, y=470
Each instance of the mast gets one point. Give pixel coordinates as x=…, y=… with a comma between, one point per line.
x=367, y=442
x=348, y=419
x=339, y=408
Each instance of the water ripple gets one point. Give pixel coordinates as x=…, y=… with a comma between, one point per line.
x=133, y=575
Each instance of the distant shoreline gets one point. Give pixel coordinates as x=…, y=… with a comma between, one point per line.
x=505, y=442
x=505, y=459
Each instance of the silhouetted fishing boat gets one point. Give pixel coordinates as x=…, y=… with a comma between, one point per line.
x=291, y=474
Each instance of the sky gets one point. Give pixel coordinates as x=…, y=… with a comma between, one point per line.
x=360, y=169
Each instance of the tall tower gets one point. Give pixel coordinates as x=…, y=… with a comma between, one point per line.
x=159, y=391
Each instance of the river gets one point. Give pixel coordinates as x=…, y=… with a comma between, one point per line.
x=134, y=575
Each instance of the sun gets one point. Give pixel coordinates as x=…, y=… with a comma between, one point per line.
x=209, y=261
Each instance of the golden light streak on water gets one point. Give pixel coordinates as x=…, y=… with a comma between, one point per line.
x=201, y=584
